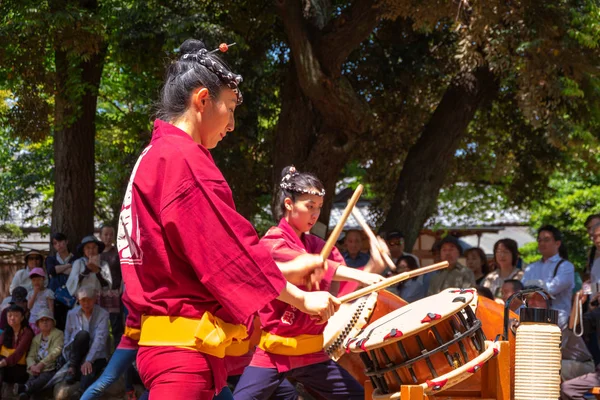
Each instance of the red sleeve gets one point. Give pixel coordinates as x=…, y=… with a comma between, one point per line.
x=222, y=247
x=22, y=348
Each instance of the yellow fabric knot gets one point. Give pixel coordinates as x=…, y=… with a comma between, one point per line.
x=291, y=346
x=209, y=334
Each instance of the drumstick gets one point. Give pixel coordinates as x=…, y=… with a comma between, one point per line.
x=335, y=234
x=392, y=281
x=363, y=224
x=340, y=225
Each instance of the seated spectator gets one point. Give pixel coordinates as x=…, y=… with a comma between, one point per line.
x=552, y=273
x=33, y=259
x=576, y=358
x=86, y=340
x=15, y=342
x=395, y=242
x=591, y=222
x=43, y=355
x=89, y=270
x=506, y=255
x=510, y=287
x=110, y=297
x=354, y=256
x=456, y=275
x=412, y=289
x=58, y=268
x=19, y=297
x=477, y=262
x=38, y=299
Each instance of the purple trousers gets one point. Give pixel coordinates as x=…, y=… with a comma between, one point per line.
x=328, y=379
x=576, y=389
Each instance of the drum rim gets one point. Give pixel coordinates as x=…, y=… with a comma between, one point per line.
x=353, y=346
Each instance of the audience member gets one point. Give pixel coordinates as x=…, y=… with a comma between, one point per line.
x=89, y=270
x=412, y=289
x=354, y=256
x=86, y=340
x=552, y=273
x=510, y=287
x=456, y=275
x=591, y=222
x=395, y=242
x=43, y=354
x=576, y=358
x=14, y=344
x=477, y=262
x=595, y=263
x=38, y=299
x=506, y=255
x=59, y=267
x=577, y=387
x=110, y=298
x=33, y=259
x=19, y=297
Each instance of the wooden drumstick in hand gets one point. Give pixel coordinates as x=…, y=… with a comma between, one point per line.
x=335, y=234
x=365, y=227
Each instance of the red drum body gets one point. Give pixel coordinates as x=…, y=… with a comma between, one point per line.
x=436, y=342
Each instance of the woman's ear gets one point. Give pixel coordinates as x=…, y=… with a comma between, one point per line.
x=199, y=98
x=288, y=204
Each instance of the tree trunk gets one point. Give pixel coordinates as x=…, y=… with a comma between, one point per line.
x=322, y=115
x=427, y=162
x=74, y=144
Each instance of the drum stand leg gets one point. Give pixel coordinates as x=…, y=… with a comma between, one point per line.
x=495, y=378
x=412, y=392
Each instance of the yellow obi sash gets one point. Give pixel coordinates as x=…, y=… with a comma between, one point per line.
x=132, y=333
x=6, y=352
x=209, y=334
x=291, y=346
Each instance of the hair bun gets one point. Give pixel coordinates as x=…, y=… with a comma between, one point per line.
x=289, y=170
x=191, y=46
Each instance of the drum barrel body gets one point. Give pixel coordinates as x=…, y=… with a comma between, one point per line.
x=537, y=361
x=351, y=362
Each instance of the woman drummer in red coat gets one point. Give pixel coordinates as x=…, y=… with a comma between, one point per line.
x=193, y=268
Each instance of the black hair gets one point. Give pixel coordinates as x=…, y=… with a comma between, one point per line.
x=196, y=67
x=552, y=229
x=294, y=184
x=394, y=235
x=59, y=236
x=517, y=285
x=485, y=267
x=104, y=226
x=9, y=332
x=512, y=246
x=484, y=292
x=410, y=262
x=563, y=252
x=590, y=218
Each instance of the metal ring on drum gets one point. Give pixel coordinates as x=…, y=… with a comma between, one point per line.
x=435, y=342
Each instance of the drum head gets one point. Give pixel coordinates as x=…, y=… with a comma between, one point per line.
x=411, y=319
x=346, y=323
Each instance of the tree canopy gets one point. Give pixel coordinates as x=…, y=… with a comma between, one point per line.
x=414, y=95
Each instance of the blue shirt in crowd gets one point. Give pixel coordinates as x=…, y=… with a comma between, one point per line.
x=360, y=261
x=560, y=287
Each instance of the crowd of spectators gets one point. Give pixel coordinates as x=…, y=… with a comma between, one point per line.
x=65, y=312
x=63, y=317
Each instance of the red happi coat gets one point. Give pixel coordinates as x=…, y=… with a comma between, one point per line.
x=282, y=319
x=184, y=249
